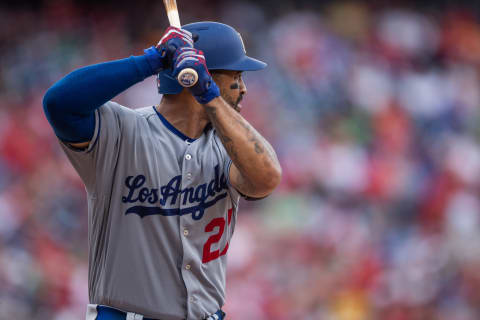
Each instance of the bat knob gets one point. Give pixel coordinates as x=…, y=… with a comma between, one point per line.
x=188, y=77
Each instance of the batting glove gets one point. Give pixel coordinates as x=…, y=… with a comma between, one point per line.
x=160, y=56
x=205, y=89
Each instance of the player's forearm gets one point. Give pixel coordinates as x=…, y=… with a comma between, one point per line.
x=250, y=152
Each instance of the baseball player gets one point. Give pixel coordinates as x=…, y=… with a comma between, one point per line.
x=163, y=182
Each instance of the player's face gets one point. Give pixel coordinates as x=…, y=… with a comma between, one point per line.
x=232, y=87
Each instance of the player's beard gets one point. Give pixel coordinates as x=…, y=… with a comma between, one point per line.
x=234, y=103
x=237, y=106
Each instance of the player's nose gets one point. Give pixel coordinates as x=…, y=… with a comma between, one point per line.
x=243, y=87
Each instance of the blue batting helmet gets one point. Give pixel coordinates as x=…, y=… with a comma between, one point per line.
x=223, y=49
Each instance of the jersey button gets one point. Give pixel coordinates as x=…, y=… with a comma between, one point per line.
x=187, y=267
x=188, y=156
x=192, y=299
x=189, y=176
x=185, y=232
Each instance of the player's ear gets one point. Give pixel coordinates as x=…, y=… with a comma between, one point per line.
x=215, y=75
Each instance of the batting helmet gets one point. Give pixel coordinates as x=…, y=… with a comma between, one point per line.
x=223, y=49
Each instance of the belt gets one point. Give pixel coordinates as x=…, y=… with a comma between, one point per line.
x=108, y=313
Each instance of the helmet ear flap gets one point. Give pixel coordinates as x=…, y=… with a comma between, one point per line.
x=168, y=84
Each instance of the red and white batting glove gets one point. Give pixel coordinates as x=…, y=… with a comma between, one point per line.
x=160, y=57
x=176, y=37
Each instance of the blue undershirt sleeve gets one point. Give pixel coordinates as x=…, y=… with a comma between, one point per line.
x=70, y=103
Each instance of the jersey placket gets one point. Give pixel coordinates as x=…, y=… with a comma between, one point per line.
x=188, y=165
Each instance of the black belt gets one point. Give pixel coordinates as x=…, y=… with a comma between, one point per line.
x=108, y=313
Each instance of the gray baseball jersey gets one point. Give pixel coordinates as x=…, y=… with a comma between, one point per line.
x=161, y=213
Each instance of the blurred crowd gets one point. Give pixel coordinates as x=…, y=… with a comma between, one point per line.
x=373, y=113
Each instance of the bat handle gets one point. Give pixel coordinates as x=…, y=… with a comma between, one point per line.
x=188, y=77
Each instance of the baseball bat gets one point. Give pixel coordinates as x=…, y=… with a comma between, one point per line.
x=188, y=77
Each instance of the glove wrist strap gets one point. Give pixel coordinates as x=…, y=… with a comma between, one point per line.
x=208, y=95
x=155, y=59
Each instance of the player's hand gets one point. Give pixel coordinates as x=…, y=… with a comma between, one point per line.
x=160, y=57
x=205, y=89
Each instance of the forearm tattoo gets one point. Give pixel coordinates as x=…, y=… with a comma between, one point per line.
x=224, y=137
x=259, y=144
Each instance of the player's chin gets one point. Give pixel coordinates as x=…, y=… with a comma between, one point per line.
x=235, y=106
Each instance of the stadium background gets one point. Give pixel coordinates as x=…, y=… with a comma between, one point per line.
x=373, y=110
